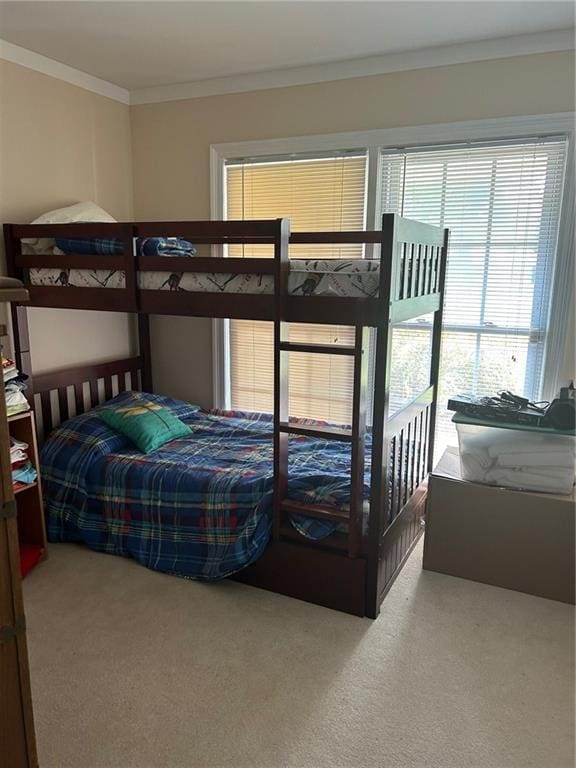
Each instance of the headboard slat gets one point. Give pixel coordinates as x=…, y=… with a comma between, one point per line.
x=63, y=403
x=94, y=392
x=79, y=397
x=46, y=402
x=59, y=381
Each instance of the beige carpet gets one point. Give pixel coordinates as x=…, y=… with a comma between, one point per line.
x=135, y=668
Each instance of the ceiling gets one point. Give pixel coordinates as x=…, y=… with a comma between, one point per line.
x=143, y=44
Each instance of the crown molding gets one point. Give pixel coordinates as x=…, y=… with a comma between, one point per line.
x=461, y=53
x=52, y=68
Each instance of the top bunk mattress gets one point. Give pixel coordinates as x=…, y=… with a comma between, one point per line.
x=308, y=277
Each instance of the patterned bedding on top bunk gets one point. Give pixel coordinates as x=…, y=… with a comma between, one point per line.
x=308, y=277
x=200, y=506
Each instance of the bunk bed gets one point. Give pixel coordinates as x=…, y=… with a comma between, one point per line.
x=352, y=568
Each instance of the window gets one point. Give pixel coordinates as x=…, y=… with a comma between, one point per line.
x=501, y=201
x=321, y=193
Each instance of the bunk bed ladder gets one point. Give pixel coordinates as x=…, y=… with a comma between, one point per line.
x=355, y=435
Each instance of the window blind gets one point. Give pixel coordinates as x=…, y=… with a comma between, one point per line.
x=316, y=194
x=502, y=204
x=322, y=193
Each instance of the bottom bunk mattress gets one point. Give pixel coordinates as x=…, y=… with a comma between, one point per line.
x=200, y=506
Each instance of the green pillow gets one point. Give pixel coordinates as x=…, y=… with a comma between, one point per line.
x=146, y=424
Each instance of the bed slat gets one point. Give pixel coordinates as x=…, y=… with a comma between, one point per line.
x=45, y=400
x=94, y=392
x=79, y=398
x=63, y=403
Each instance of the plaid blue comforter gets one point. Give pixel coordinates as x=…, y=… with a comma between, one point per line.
x=199, y=507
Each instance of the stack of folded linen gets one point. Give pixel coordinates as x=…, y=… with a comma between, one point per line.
x=14, y=386
x=538, y=463
x=23, y=471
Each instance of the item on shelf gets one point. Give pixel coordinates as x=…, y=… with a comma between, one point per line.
x=9, y=370
x=14, y=389
x=25, y=475
x=17, y=447
x=14, y=386
x=23, y=471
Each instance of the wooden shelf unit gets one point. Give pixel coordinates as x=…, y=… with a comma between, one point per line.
x=17, y=739
x=28, y=496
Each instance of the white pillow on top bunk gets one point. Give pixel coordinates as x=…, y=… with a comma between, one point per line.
x=71, y=214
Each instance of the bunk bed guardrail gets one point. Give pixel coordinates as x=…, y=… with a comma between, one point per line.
x=59, y=395
x=420, y=271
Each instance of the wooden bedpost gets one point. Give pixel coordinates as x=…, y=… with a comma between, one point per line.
x=281, y=394
x=436, y=341
x=379, y=464
x=358, y=450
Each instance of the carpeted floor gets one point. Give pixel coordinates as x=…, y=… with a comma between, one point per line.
x=132, y=668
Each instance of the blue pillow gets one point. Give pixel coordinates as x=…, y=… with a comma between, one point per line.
x=145, y=246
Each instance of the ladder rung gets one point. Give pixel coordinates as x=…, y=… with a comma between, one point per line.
x=326, y=433
x=323, y=349
x=319, y=511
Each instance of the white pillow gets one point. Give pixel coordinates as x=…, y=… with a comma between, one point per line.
x=72, y=214
x=75, y=213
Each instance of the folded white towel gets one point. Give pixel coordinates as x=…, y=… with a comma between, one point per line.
x=543, y=459
x=560, y=473
x=472, y=469
x=17, y=456
x=14, y=397
x=18, y=445
x=560, y=481
x=538, y=444
x=476, y=446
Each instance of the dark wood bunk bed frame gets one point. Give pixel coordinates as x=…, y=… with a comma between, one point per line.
x=349, y=571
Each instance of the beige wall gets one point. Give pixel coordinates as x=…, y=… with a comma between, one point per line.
x=60, y=144
x=171, y=149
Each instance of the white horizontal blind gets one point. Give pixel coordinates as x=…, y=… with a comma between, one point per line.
x=317, y=194
x=502, y=203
